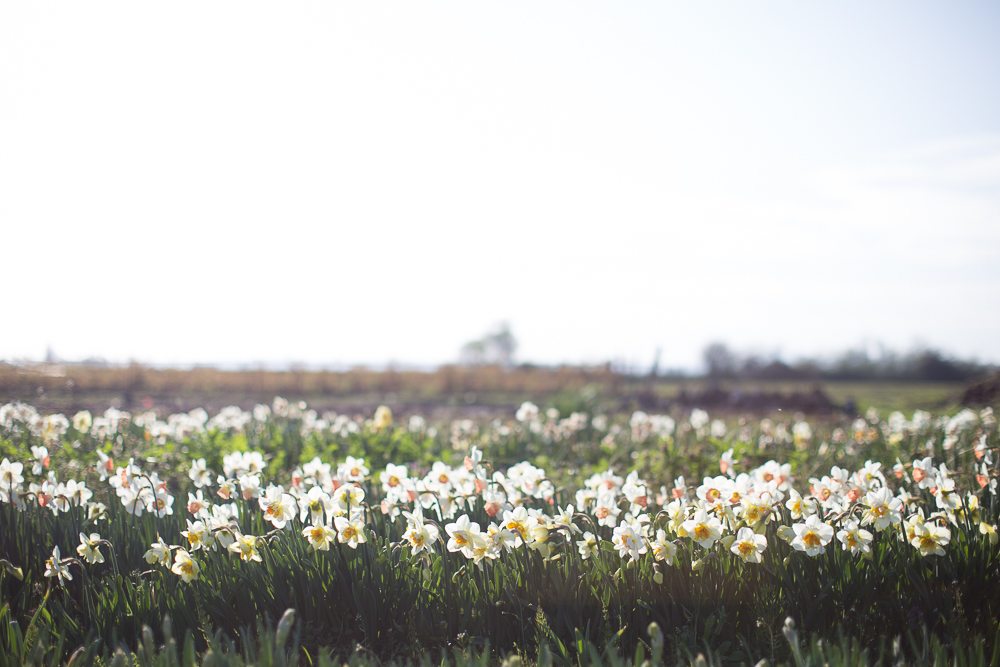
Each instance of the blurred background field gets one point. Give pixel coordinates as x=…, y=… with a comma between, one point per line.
x=451, y=391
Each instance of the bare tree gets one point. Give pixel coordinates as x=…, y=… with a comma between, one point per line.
x=496, y=347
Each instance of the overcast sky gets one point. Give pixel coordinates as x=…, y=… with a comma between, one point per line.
x=369, y=182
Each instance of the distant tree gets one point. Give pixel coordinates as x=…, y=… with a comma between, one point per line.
x=473, y=353
x=931, y=365
x=504, y=344
x=654, y=370
x=496, y=347
x=720, y=362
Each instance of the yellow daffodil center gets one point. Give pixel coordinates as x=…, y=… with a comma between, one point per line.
x=701, y=531
x=518, y=527
x=811, y=539
x=746, y=548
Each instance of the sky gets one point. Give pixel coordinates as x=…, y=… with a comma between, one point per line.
x=344, y=183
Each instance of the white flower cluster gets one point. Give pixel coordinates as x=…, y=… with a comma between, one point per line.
x=920, y=503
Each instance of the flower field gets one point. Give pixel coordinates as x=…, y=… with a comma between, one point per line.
x=557, y=538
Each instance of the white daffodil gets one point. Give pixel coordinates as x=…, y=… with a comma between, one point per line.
x=812, y=536
x=198, y=536
x=420, y=536
x=350, y=531
x=749, y=545
x=347, y=499
x=158, y=552
x=89, y=549
x=628, y=540
x=460, y=533
x=798, y=506
x=703, y=528
x=314, y=505
x=930, y=538
x=185, y=567
x=855, y=539
x=246, y=547
x=587, y=546
x=278, y=506
x=883, y=509
x=54, y=567
x=319, y=536
x=199, y=473
x=517, y=522
x=663, y=549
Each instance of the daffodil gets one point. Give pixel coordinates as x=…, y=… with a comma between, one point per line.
x=481, y=548
x=347, y=499
x=703, y=528
x=54, y=567
x=393, y=476
x=350, y=531
x=883, y=509
x=501, y=538
x=246, y=547
x=628, y=540
x=198, y=536
x=158, y=552
x=516, y=521
x=352, y=470
x=812, y=536
x=749, y=545
x=538, y=538
x=382, y=419
x=564, y=519
x=663, y=549
x=199, y=473
x=460, y=533
x=11, y=475
x=314, y=505
x=855, y=539
x=319, y=536
x=930, y=538
x=420, y=536
x=798, y=506
x=185, y=567
x=278, y=506
x=89, y=549
x=587, y=547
